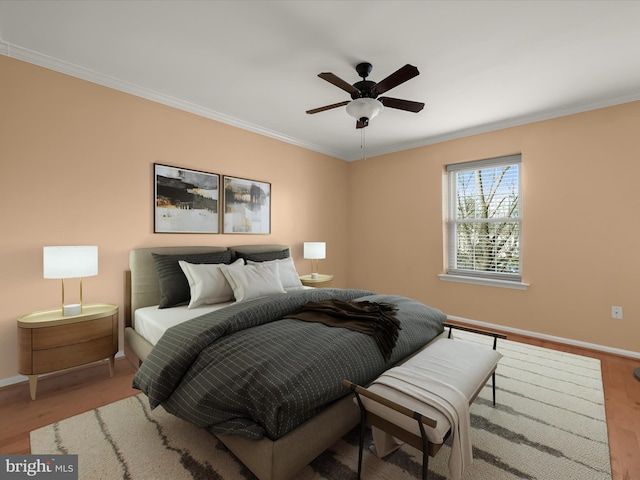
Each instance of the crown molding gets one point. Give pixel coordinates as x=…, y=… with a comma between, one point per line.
x=98, y=78
x=503, y=124
x=52, y=63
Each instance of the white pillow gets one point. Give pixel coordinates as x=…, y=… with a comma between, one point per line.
x=253, y=281
x=207, y=283
x=288, y=274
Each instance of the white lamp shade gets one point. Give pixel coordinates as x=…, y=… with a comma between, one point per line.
x=70, y=262
x=364, y=108
x=315, y=250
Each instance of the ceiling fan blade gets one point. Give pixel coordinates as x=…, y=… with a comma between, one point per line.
x=396, y=78
x=338, y=82
x=400, y=104
x=363, y=122
x=327, y=107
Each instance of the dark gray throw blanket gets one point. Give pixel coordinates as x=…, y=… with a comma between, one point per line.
x=376, y=319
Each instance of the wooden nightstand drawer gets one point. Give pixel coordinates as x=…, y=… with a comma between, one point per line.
x=49, y=341
x=68, y=356
x=62, y=335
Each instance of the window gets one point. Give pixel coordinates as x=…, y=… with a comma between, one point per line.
x=484, y=223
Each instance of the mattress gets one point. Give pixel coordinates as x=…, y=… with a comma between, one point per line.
x=152, y=322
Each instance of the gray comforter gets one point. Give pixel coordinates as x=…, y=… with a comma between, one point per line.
x=245, y=370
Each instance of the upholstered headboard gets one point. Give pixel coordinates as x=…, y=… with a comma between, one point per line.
x=142, y=288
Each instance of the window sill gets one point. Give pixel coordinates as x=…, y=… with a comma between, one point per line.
x=483, y=281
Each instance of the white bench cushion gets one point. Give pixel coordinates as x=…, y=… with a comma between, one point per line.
x=464, y=365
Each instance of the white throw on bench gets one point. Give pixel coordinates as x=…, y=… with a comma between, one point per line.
x=426, y=399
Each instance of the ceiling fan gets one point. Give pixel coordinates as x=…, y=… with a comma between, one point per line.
x=365, y=103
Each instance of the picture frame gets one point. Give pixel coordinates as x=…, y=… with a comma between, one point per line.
x=185, y=200
x=246, y=206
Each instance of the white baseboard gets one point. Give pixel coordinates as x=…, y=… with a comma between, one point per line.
x=542, y=336
x=5, y=382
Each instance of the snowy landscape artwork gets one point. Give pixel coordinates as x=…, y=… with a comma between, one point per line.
x=247, y=206
x=186, y=201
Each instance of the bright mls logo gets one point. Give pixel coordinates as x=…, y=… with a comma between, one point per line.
x=51, y=467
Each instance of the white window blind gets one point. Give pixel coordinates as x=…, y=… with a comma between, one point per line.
x=485, y=223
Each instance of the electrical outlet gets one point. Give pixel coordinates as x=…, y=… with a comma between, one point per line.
x=616, y=312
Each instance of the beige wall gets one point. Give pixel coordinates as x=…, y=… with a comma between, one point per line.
x=77, y=169
x=581, y=227
x=77, y=162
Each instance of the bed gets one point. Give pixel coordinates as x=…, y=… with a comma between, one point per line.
x=274, y=433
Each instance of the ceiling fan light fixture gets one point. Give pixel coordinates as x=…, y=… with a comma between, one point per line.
x=364, y=108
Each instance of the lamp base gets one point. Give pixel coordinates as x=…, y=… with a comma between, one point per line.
x=71, y=310
x=314, y=276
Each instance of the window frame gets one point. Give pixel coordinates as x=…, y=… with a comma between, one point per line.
x=476, y=276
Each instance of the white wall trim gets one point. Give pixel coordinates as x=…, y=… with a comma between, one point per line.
x=542, y=336
x=488, y=282
x=67, y=68
x=5, y=382
x=36, y=58
x=502, y=124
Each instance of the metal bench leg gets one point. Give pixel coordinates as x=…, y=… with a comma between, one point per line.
x=493, y=384
x=363, y=428
x=362, y=431
x=425, y=446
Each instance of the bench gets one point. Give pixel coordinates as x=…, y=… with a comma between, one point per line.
x=462, y=365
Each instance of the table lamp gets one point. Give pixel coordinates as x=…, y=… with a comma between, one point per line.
x=70, y=262
x=315, y=251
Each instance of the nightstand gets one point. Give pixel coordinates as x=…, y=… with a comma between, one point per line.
x=49, y=341
x=323, y=280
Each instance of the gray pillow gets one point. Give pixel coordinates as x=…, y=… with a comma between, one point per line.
x=174, y=286
x=264, y=256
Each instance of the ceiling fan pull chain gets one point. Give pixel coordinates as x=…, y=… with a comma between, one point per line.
x=363, y=144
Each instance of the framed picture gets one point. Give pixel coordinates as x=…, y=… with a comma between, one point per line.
x=246, y=206
x=185, y=201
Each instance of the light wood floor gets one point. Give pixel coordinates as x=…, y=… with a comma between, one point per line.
x=76, y=391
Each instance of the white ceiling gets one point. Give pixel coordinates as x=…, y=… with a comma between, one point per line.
x=253, y=64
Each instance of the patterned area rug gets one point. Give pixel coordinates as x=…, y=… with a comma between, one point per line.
x=548, y=424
